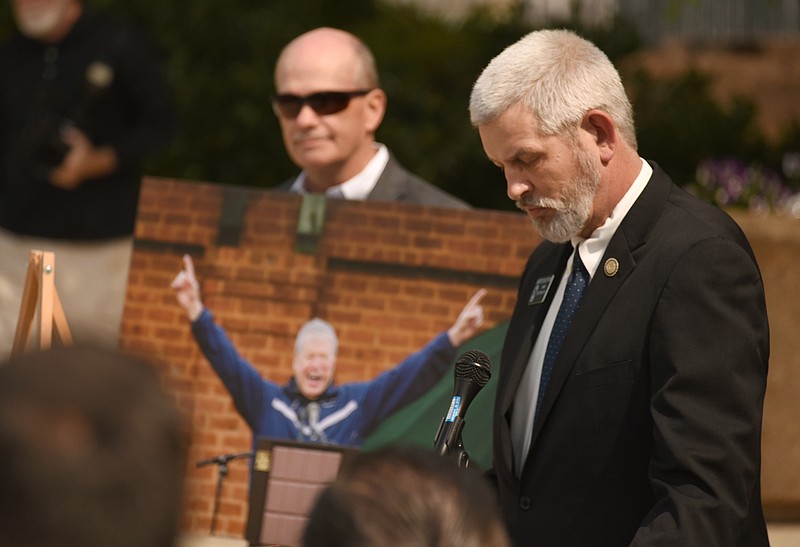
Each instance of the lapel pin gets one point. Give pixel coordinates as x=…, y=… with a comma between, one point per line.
x=611, y=267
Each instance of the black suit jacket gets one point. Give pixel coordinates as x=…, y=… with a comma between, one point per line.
x=399, y=185
x=649, y=433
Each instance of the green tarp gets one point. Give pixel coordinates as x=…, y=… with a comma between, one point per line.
x=417, y=423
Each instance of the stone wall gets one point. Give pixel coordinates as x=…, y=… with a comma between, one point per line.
x=776, y=242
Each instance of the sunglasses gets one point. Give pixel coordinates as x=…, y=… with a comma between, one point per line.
x=323, y=102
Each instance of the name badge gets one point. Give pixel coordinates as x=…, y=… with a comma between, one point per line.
x=540, y=290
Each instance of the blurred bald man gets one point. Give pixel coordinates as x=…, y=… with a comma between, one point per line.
x=329, y=104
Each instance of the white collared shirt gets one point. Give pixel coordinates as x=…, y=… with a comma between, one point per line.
x=592, y=250
x=358, y=187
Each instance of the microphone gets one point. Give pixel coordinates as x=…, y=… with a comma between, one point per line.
x=472, y=372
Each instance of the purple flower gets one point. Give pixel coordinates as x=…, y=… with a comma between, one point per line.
x=730, y=182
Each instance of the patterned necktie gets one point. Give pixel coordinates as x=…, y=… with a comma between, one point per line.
x=576, y=283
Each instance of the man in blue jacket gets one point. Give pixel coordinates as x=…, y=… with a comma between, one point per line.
x=310, y=407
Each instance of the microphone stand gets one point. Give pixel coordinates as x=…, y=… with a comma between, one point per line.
x=222, y=462
x=460, y=454
x=452, y=446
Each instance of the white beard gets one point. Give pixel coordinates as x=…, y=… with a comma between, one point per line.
x=39, y=20
x=574, y=206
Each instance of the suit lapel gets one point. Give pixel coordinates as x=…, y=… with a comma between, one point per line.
x=391, y=184
x=627, y=240
x=598, y=294
x=530, y=318
x=524, y=327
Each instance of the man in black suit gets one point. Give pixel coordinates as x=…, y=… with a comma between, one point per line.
x=645, y=428
x=329, y=104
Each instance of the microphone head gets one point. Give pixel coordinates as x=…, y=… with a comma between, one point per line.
x=475, y=367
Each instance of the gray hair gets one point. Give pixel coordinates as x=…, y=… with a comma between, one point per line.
x=556, y=75
x=316, y=327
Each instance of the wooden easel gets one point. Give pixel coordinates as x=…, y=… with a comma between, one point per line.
x=40, y=289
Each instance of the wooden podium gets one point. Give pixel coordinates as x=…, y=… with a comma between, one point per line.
x=287, y=476
x=40, y=294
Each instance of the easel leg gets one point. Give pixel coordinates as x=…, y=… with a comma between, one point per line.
x=60, y=321
x=27, y=307
x=45, y=273
x=40, y=288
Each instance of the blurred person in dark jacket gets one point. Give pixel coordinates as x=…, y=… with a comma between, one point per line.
x=84, y=101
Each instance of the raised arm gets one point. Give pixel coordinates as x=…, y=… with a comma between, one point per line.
x=405, y=383
x=187, y=290
x=469, y=321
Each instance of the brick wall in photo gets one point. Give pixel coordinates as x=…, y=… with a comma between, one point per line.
x=387, y=276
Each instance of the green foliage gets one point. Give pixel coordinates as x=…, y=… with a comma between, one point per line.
x=220, y=59
x=679, y=124
x=428, y=68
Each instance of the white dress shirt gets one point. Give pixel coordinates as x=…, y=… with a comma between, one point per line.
x=592, y=250
x=356, y=188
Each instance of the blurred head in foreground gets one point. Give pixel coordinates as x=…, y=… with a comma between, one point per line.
x=405, y=497
x=92, y=452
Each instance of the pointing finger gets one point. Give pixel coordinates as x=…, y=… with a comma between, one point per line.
x=476, y=298
x=188, y=266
